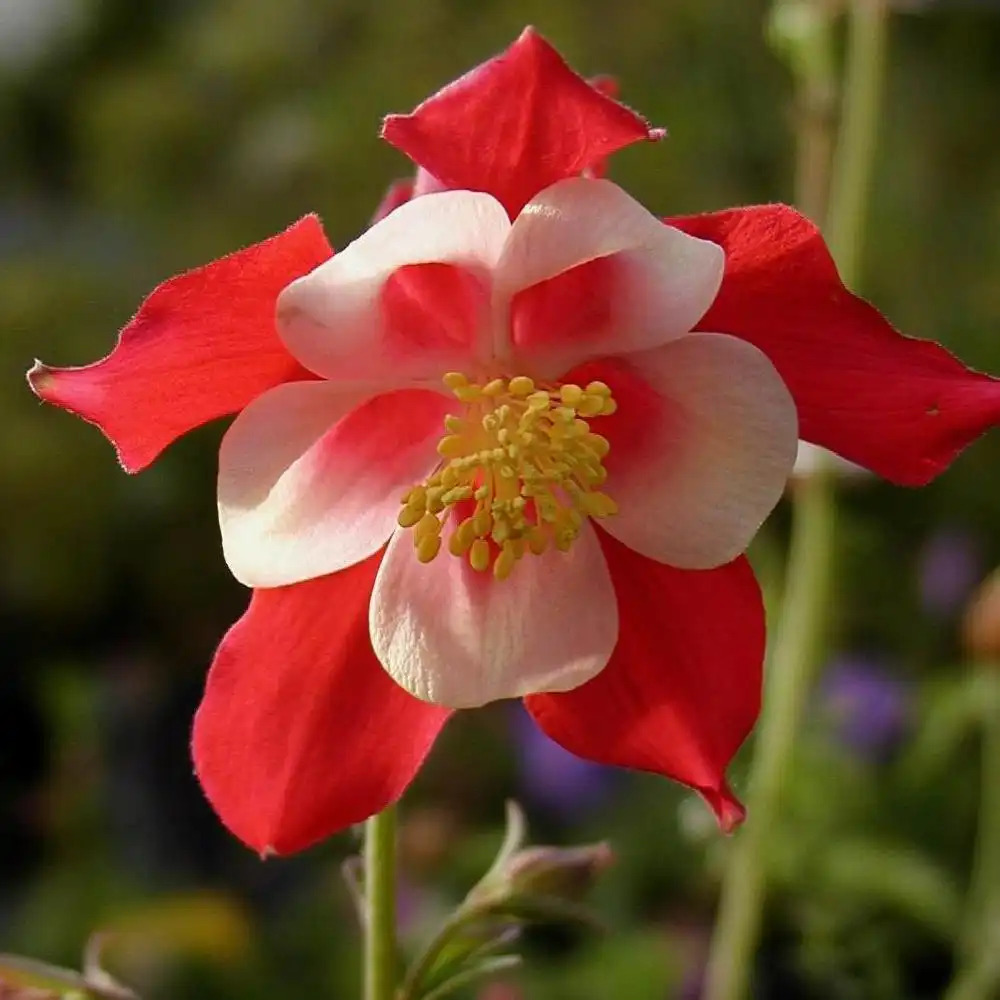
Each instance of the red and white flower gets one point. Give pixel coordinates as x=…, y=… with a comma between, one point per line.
x=508, y=443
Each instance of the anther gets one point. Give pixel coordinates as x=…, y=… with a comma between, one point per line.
x=479, y=555
x=523, y=458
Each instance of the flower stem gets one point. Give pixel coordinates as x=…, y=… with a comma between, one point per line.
x=380, y=910
x=855, y=158
x=788, y=676
x=799, y=637
x=979, y=975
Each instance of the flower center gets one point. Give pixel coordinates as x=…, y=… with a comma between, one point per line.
x=523, y=459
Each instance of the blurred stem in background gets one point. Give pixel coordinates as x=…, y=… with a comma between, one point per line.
x=978, y=975
x=379, y=926
x=803, y=29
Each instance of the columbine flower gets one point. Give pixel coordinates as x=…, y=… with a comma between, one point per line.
x=511, y=441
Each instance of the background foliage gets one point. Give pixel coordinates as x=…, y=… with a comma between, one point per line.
x=140, y=139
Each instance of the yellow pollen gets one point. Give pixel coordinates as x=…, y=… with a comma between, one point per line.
x=523, y=461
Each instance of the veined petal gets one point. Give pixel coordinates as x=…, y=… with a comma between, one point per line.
x=901, y=407
x=716, y=458
x=682, y=689
x=349, y=322
x=452, y=636
x=640, y=283
x=310, y=477
x=201, y=346
x=516, y=124
x=301, y=733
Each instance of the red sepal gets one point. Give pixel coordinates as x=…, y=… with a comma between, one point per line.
x=201, y=346
x=682, y=689
x=903, y=408
x=301, y=733
x=516, y=124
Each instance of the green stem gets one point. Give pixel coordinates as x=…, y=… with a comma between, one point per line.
x=789, y=674
x=798, y=642
x=979, y=974
x=855, y=158
x=814, y=65
x=380, y=909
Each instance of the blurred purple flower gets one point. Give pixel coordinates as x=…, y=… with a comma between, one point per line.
x=868, y=707
x=553, y=778
x=949, y=566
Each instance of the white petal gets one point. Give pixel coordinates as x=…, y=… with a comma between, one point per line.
x=332, y=319
x=812, y=460
x=310, y=477
x=459, y=638
x=717, y=464
x=664, y=281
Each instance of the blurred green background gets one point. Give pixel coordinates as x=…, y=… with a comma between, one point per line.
x=139, y=139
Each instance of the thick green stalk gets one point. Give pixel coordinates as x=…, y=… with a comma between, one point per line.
x=979, y=974
x=789, y=673
x=380, y=906
x=855, y=158
x=799, y=637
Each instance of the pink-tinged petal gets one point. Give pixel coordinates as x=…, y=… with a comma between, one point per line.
x=716, y=455
x=201, y=346
x=903, y=408
x=301, y=733
x=401, y=191
x=682, y=690
x=516, y=124
x=311, y=474
x=398, y=193
x=353, y=320
x=455, y=637
x=592, y=273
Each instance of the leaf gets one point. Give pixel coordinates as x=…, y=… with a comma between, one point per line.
x=953, y=712
x=513, y=841
x=478, y=938
x=898, y=877
x=29, y=974
x=490, y=967
x=549, y=909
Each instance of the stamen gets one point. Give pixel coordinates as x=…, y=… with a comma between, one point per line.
x=524, y=457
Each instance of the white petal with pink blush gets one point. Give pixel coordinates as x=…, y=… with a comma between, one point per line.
x=661, y=283
x=719, y=456
x=455, y=637
x=310, y=477
x=337, y=321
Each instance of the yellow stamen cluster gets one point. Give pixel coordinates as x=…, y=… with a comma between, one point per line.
x=526, y=458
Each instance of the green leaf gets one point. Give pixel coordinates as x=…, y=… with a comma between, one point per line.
x=489, y=967
x=898, y=877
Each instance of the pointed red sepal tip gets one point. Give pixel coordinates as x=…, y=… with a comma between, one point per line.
x=202, y=345
x=515, y=125
x=40, y=379
x=729, y=811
